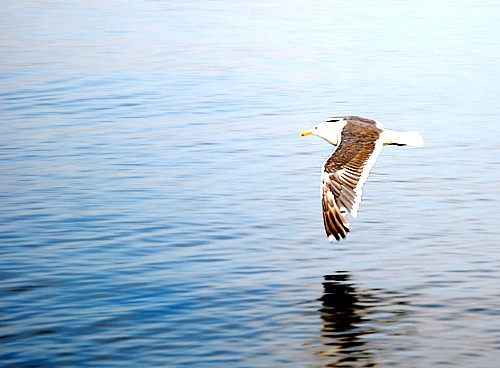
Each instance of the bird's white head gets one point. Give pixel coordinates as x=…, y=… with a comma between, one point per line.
x=329, y=130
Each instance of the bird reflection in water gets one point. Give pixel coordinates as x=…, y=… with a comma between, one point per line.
x=349, y=315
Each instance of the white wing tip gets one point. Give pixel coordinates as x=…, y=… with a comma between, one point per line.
x=331, y=238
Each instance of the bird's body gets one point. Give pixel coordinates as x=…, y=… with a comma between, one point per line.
x=359, y=142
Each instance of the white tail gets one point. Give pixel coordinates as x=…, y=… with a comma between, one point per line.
x=402, y=138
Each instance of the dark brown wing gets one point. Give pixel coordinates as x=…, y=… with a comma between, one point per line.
x=344, y=173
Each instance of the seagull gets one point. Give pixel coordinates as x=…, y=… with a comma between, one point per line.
x=359, y=142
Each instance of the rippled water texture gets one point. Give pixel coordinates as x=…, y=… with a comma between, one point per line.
x=158, y=207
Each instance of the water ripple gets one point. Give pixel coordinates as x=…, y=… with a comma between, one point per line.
x=159, y=207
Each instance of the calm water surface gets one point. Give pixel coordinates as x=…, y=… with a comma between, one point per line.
x=160, y=209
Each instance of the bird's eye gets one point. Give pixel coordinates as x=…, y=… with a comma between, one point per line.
x=315, y=127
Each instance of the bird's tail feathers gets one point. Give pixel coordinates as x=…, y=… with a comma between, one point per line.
x=392, y=137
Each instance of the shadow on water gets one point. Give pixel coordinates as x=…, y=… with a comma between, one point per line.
x=353, y=319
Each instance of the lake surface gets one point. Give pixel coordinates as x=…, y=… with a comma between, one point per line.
x=158, y=207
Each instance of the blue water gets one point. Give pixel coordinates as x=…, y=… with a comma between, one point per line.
x=158, y=207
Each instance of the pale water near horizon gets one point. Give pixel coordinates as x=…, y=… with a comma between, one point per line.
x=160, y=209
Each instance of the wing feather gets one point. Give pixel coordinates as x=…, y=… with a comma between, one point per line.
x=345, y=172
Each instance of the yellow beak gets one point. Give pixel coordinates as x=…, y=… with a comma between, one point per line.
x=305, y=132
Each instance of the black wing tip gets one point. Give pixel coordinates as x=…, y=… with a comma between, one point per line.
x=336, y=224
x=337, y=236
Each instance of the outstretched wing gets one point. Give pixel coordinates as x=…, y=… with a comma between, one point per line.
x=345, y=172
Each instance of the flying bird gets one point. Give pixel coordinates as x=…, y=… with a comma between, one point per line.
x=359, y=142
